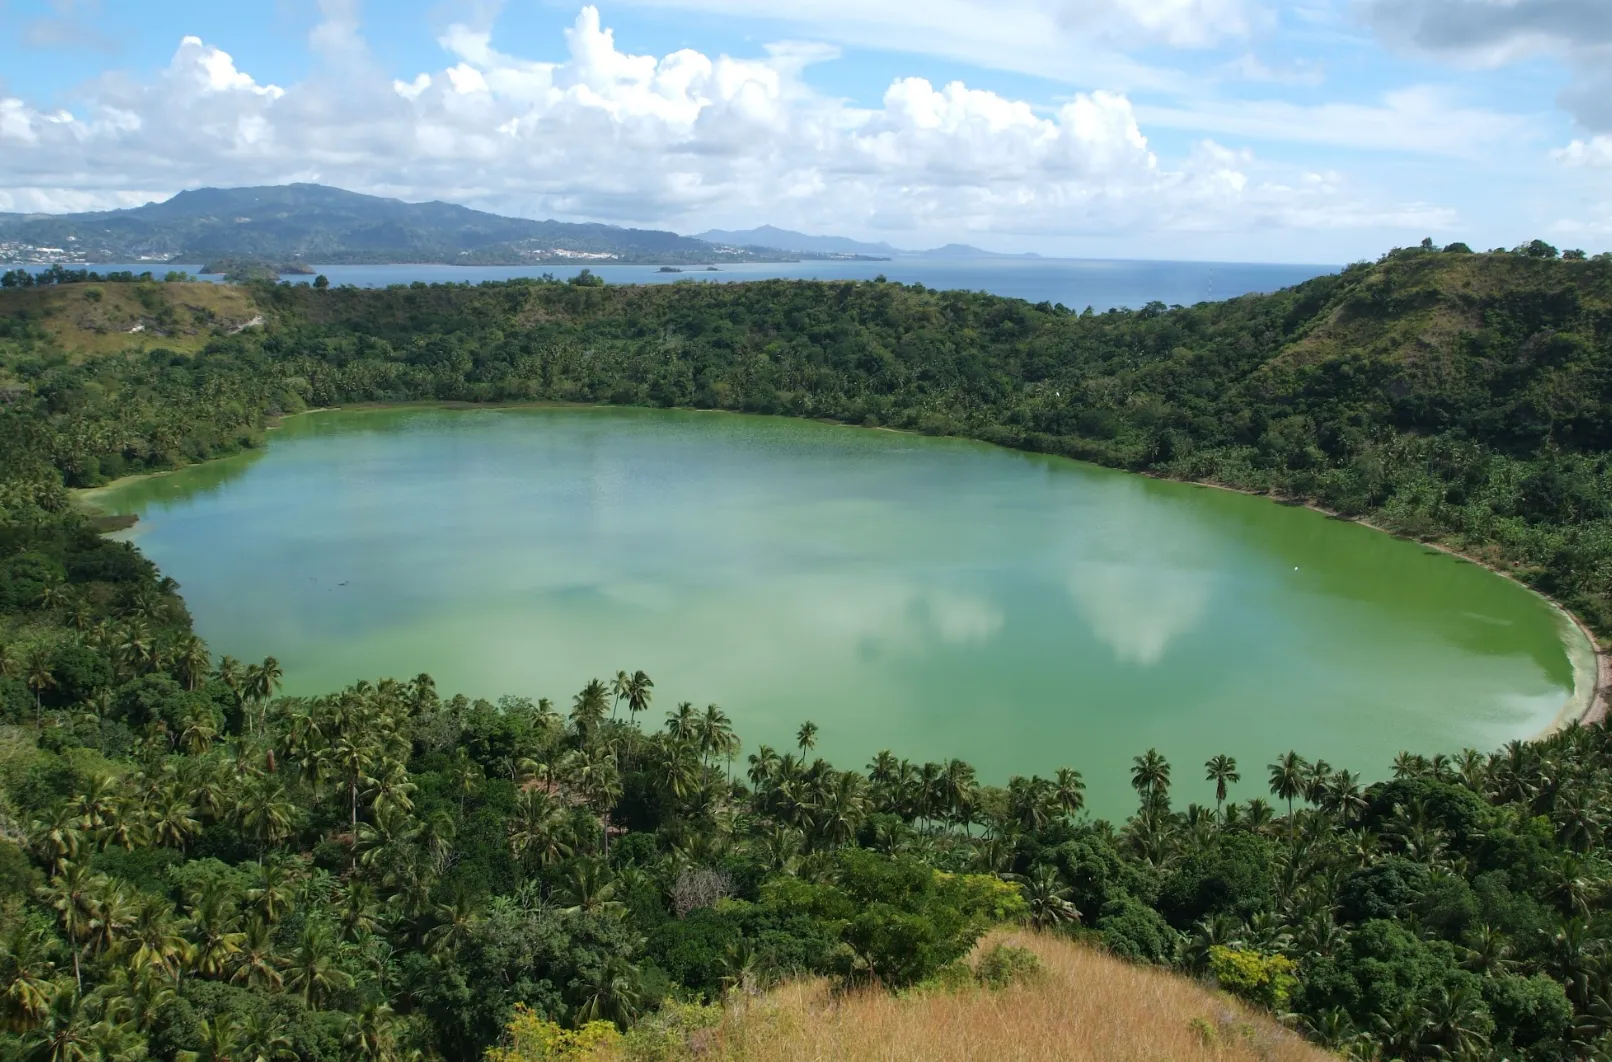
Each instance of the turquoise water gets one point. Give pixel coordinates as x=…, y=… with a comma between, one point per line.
x=936, y=597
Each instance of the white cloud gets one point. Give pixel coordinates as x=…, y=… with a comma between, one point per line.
x=691, y=140
x=1493, y=33
x=1596, y=151
x=1072, y=41
x=1420, y=120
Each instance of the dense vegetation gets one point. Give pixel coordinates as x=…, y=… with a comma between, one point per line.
x=193, y=866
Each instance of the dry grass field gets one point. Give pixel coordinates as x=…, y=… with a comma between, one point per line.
x=1086, y=1007
x=90, y=320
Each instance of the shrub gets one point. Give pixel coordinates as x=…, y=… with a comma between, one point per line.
x=530, y=1038
x=1263, y=979
x=1005, y=964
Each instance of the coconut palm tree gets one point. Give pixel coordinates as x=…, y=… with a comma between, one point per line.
x=619, y=687
x=220, y=1041
x=806, y=736
x=263, y=1039
x=72, y=894
x=1150, y=776
x=588, y=889
x=1288, y=775
x=39, y=677
x=214, y=928
x=640, y=691
x=611, y=993
x=193, y=662
x=1221, y=770
x=588, y=709
x=172, y=819
x=372, y=1036
x=257, y=963
x=265, y=813
x=1048, y=898
x=27, y=975
x=1069, y=790
x=314, y=968
x=455, y=923
x=537, y=829
x=156, y=941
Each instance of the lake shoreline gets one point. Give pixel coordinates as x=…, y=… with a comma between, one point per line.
x=1592, y=682
x=1584, y=708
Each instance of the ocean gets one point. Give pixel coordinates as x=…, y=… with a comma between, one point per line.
x=1076, y=282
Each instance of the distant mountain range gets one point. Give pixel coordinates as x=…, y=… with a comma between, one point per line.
x=295, y=224
x=315, y=223
x=770, y=236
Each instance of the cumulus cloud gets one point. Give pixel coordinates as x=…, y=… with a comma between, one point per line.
x=1490, y=33
x=1596, y=151
x=685, y=137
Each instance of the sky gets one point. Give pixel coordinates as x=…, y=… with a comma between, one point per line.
x=1235, y=130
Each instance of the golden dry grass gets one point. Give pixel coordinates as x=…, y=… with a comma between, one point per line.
x=89, y=320
x=1087, y=1007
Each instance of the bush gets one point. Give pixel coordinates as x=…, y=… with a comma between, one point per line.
x=1005, y=964
x=530, y=1038
x=1266, y=980
x=1132, y=930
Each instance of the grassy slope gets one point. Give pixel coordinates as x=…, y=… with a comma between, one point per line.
x=1088, y=1007
x=89, y=320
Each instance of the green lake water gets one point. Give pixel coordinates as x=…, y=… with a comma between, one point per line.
x=936, y=597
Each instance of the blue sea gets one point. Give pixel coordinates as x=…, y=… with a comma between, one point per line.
x=1075, y=282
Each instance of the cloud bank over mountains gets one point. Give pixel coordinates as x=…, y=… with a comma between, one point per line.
x=690, y=140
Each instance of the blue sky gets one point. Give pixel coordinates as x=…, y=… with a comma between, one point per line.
x=1297, y=130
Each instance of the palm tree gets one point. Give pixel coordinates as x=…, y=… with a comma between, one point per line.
x=263, y=1039
x=1069, y=790
x=156, y=939
x=589, y=890
x=1150, y=776
x=372, y=1036
x=39, y=677
x=537, y=829
x=214, y=928
x=315, y=966
x=194, y=662
x=806, y=736
x=264, y=683
x=455, y=923
x=1221, y=770
x=640, y=691
x=220, y=1041
x=71, y=893
x=172, y=819
x=611, y=994
x=266, y=813
x=1048, y=898
x=1287, y=780
x=257, y=963
x=27, y=978
x=588, y=709
x=619, y=687
x=350, y=757
x=66, y=1031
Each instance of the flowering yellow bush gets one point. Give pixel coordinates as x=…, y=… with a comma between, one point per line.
x=1256, y=977
x=531, y=1038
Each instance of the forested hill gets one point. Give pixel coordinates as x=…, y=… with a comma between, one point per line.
x=194, y=869
x=1463, y=396
x=315, y=223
